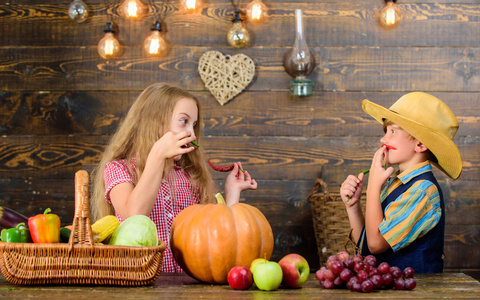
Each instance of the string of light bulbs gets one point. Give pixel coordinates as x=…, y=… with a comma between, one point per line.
x=155, y=45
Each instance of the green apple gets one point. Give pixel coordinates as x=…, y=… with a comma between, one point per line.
x=255, y=262
x=267, y=275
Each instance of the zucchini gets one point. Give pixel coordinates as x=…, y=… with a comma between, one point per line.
x=10, y=218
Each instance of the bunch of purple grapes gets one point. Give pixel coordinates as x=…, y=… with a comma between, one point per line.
x=360, y=274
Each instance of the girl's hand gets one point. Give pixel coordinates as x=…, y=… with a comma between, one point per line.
x=171, y=145
x=378, y=173
x=351, y=189
x=238, y=181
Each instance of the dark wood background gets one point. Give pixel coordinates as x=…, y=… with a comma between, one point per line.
x=60, y=102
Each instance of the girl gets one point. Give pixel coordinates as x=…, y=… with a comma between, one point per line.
x=151, y=167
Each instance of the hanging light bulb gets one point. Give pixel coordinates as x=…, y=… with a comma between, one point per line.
x=191, y=5
x=154, y=44
x=133, y=9
x=108, y=47
x=256, y=10
x=390, y=15
x=238, y=36
x=299, y=62
x=77, y=11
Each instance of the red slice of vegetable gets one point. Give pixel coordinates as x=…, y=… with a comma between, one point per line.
x=222, y=168
x=389, y=147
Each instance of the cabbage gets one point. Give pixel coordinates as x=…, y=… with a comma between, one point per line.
x=137, y=230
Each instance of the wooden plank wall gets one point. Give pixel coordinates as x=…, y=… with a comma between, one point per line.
x=60, y=102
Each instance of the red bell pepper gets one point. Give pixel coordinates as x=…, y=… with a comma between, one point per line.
x=45, y=228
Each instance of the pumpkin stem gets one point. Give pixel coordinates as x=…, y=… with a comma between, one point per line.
x=220, y=198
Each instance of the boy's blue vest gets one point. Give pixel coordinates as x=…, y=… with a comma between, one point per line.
x=424, y=255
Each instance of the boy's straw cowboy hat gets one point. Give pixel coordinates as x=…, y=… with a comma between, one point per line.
x=427, y=119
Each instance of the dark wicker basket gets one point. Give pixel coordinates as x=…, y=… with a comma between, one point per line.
x=330, y=221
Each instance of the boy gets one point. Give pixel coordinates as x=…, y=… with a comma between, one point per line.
x=404, y=221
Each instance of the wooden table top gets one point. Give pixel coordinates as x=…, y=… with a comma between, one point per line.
x=180, y=286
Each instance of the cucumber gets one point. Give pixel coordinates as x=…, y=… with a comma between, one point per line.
x=64, y=234
x=10, y=218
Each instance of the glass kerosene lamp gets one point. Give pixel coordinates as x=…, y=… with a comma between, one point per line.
x=299, y=62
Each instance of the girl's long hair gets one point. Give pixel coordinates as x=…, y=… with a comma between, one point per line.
x=146, y=122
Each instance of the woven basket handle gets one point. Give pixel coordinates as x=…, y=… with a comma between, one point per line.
x=82, y=229
x=320, y=183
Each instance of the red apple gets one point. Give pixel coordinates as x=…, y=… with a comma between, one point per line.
x=240, y=278
x=295, y=270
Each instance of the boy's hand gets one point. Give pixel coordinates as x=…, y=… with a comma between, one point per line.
x=351, y=189
x=378, y=173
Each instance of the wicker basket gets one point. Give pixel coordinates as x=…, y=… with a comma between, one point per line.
x=330, y=221
x=80, y=262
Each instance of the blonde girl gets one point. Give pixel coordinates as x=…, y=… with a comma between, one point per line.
x=151, y=167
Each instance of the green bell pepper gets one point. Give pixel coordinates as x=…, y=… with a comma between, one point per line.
x=17, y=234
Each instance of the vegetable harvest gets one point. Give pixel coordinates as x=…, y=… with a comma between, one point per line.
x=45, y=228
x=19, y=234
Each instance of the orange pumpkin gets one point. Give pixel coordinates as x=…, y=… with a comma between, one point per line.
x=207, y=240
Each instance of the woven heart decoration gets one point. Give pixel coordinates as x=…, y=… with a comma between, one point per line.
x=225, y=76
